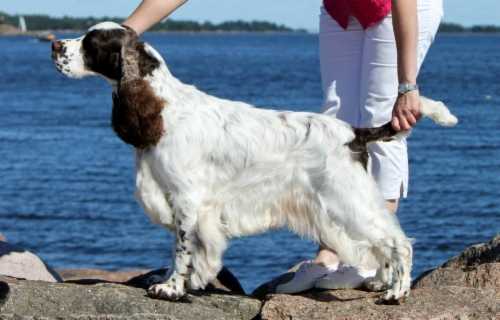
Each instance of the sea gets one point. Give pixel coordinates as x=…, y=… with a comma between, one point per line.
x=67, y=182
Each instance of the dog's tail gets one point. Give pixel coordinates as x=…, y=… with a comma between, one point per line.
x=438, y=112
x=435, y=110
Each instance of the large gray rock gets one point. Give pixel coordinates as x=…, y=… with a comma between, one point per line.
x=477, y=254
x=447, y=303
x=36, y=299
x=477, y=266
x=20, y=263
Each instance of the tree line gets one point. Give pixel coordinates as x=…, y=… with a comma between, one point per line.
x=45, y=22
x=454, y=27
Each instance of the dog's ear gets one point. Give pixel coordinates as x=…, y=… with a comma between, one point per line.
x=130, y=56
x=147, y=62
x=136, y=61
x=136, y=116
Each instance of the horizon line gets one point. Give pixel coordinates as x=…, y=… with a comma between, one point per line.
x=210, y=21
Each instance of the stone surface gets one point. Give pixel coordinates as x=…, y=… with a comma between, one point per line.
x=483, y=276
x=20, y=263
x=447, y=303
x=477, y=266
x=475, y=255
x=35, y=299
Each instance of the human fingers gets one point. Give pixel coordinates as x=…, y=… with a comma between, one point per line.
x=410, y=118
x=395, y=123
x=403, y=122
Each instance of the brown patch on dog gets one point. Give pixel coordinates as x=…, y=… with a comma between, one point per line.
x=147, y=63
x=136, y=116
x=363, y=136
x=118, y=55
x=103, y=52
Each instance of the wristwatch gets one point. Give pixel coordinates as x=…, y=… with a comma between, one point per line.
x=407, y=87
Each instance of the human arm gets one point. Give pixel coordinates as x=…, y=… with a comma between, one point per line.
x=150, y=12
x=406, y=110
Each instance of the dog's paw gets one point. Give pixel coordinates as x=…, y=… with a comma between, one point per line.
x=398, y=291
x=401, y=282
x=167, y=291
x=395, y=297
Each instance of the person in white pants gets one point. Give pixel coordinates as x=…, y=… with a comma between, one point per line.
x=360, y=76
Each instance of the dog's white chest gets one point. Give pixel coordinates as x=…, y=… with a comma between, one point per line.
x=150, y=195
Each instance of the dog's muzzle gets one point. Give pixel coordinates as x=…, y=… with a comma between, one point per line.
x=59, y=55
x=57, y=49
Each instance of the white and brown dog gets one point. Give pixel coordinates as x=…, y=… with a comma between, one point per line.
x=211, y=169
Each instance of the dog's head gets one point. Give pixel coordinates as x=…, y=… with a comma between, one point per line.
x=107, y=49
x=115, y=52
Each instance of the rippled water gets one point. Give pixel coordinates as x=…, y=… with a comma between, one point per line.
x=67, y=181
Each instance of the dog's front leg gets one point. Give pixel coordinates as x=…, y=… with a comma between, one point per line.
x=174, y=288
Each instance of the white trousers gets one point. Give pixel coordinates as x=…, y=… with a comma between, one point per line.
x=360, y=80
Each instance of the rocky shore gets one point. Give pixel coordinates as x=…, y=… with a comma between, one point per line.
x=465, y=287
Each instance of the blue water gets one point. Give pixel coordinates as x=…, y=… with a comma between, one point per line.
x=66, y=181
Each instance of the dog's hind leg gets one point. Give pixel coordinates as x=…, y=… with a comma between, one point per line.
x=366, y=229
x=391, y=252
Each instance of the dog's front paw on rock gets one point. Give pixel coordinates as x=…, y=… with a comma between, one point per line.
x=166, y=291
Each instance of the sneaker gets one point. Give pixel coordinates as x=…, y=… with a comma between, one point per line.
x=304, y=278
x=345, y=277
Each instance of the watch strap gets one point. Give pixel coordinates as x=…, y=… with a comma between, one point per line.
x=407, y=87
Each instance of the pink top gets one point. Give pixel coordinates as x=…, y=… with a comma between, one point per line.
x=367, y=12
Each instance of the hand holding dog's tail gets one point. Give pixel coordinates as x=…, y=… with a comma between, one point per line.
x=435, y=110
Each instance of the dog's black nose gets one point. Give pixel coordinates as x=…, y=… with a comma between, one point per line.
x=57, y=46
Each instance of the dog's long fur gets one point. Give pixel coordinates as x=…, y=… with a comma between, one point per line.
x=212, y=169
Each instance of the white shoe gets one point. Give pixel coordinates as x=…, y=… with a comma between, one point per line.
x=304, y=278
x=345, y=277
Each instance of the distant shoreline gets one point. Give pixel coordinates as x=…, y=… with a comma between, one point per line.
x=165, y=32
x=44, y=23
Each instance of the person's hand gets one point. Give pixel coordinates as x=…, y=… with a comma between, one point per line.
x=406, y=111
